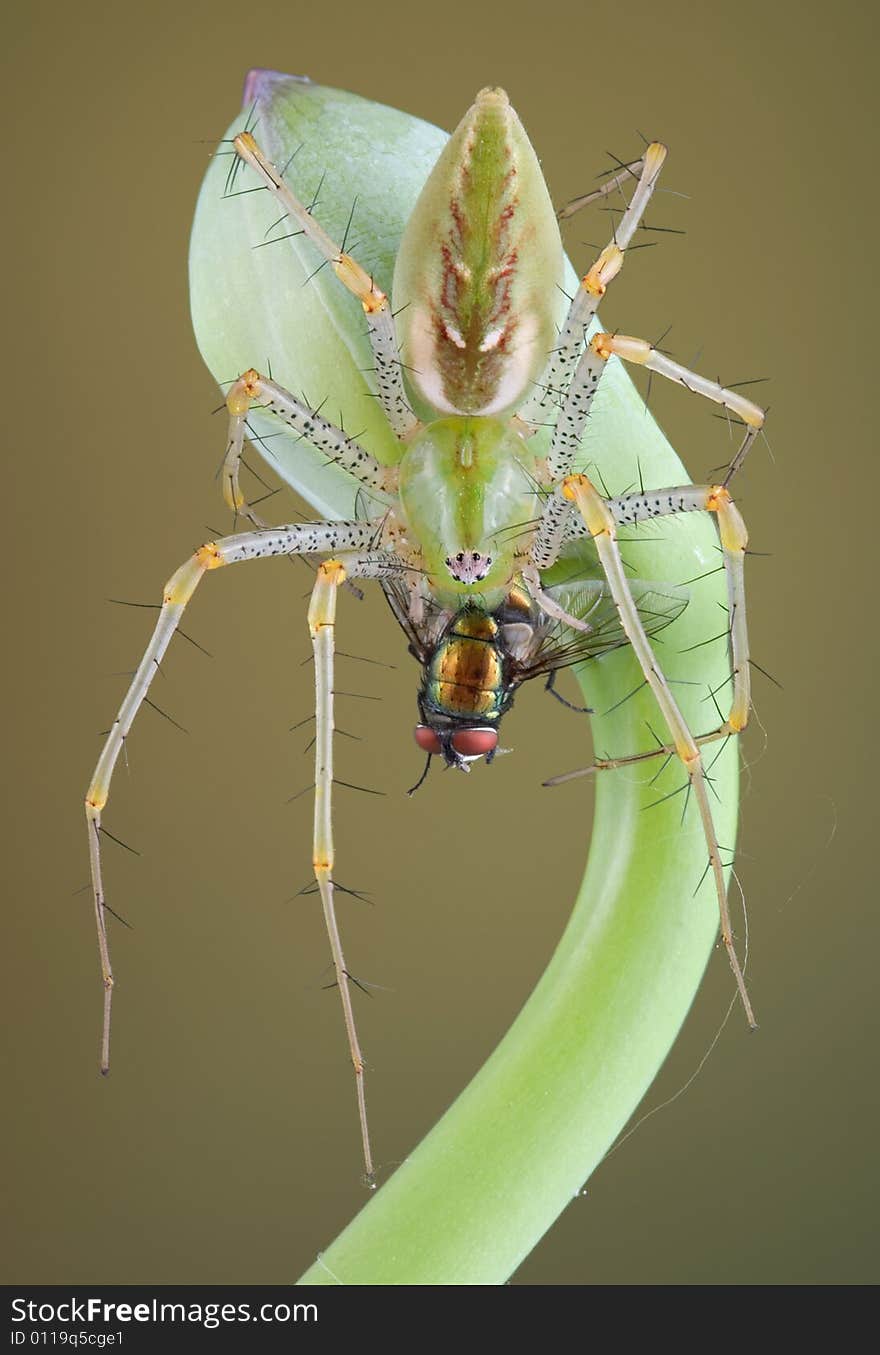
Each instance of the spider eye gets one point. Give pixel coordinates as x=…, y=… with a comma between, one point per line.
x=427, y=739
x=475, y=742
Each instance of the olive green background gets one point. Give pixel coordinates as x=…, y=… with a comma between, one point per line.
x=224, y=1146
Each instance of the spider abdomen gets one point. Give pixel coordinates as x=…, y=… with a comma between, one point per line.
x=479, y=265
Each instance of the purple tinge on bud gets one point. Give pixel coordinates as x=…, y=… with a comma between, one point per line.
x=260, y=83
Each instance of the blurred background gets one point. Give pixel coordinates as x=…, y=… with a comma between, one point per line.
x=224, y=1146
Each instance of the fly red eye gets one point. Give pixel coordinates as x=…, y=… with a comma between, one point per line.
x=427, y=739
x=475, y=742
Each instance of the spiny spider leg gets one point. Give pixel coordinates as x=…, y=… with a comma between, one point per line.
x=553, y=530
x=644, y=354
x=558, y=522
x=598, y=519
x=532, y=580
x=632, y=508
x=380, y=322
x=602, y=527
x=607, y=764
x=233, y=495
x=628, y=509
x=322, y=624
x=296, y=538
x=575, y=395
x=556, y=379
x=628, y=175
x=253, y=388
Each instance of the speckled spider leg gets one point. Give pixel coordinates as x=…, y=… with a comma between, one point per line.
x=558, y=523
x=251, y=388
x=322, y=622
x=627, y=176
x=629, y=509
x=297, y=538
x=644, y=354
x=598, y=519
x=601, y=525
x=532, y=579
x=573, y=387
x=380, y=322
x=557, y=384
x=233, y=495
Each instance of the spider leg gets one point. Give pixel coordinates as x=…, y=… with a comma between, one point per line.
x=233, y=495
x=629, y=509
x=332, y=441
x=601, y=524
x=322, y=626
x=644, y=354
x=296, y=538
x=628, y=175
x=554, y=529
x=607, y=764
x=569, y=428
x=558, y=522
x=634, y=508
x=253, y=388
x=557, y=376
x=380, y=322
x=532, y=580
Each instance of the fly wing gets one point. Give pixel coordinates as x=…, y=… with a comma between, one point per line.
x=423, y=633
x=556, y=645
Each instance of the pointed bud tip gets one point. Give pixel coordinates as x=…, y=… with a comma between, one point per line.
x=492, y=94
x=260, y=83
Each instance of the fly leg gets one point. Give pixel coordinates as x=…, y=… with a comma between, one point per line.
x=380, y=322
x=601, y=525
x=297, y=538
x=550, y=686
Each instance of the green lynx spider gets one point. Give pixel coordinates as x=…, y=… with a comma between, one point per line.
x=475, y=280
